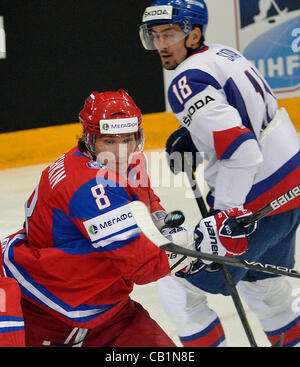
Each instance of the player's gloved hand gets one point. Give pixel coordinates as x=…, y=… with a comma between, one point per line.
x=192, y=268
x=158, y=218
x=222, y=234
x=179, y=235
x=180, y=141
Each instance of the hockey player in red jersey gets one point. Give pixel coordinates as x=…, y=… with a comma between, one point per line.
x=11, y=317
x=81, y=252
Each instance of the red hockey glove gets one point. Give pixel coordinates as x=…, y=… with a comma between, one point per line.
x=222, y=234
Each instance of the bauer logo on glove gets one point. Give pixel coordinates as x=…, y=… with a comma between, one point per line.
x=222, y=234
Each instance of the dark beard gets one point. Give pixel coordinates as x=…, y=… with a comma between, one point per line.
x=170, y=68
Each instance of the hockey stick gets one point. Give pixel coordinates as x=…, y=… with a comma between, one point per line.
x=145, y=223
x=269, y=208
x=227, y=275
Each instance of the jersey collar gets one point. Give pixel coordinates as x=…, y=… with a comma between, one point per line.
x=199, y=50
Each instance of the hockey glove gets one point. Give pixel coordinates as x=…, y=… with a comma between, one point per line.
x=181, y=237
x=222, y=234
x=180, y=142
x=193, y=268
x=158, y=218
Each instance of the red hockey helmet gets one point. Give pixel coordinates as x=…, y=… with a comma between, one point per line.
x=110, y=113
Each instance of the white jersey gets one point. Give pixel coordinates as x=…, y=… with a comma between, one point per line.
x=251, y=148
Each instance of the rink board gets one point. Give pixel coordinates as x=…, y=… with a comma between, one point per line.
x=35, y=146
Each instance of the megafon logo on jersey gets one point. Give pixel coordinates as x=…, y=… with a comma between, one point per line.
x=111, y=226
x=268, y=33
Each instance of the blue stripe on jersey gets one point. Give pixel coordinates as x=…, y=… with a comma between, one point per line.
x=236, y=143
x=10, y=329
x=40, y=294
x=79, y=154
x=10, y=318
x=115, y=245
x=63, y=229
x=264, y=83
x=236, y=100
x=84, y=246
x=197, y=80
x=255, y=84
x=203, y=333
x=268, y=183
x=200, y=334
x=271, y=181
x=10, y=324
x=293, y=343
x=218, y=342
x=122, y=231
x=83, y=204
x=68, y=238
x=284, y=328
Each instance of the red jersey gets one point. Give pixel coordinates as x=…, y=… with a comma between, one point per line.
x=81, y=251
x=11, y=315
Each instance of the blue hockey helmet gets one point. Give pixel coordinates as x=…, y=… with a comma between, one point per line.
x=187, y=13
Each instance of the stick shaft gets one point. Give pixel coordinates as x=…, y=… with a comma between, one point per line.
x=232, y=261
x=144, y=221
x=226, y=273
x=238, y=305
x=272, y=206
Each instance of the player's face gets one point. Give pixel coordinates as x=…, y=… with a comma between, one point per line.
x=169, y=41
x=115, y=151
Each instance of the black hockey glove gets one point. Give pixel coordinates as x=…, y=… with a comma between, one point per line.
x=180, y=141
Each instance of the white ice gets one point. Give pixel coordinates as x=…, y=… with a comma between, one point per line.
x=18, y=183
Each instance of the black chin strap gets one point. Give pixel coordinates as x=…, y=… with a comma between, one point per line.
x=90, y=147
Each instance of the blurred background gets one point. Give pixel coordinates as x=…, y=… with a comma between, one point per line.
x=57, y=52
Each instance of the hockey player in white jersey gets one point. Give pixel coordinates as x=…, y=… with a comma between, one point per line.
x=228, y=111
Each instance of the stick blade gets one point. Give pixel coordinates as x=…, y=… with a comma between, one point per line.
x=144, y=221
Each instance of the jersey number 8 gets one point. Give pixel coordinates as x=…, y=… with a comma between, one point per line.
x=102, y=200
